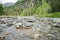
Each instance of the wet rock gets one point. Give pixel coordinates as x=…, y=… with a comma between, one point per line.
x=27, y=25
x=10, y=37
x=35, y=36
x=2, y=37
x=30, y=19
x=0, y=30
x=19, y=25
x=6, y=33
x=56, y=25
x=3, y=25
x=2, y=22
x=24, y=25
x=9, y=25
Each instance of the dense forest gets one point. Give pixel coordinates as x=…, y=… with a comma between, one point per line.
x=40, y=8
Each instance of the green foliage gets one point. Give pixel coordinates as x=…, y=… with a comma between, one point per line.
x=39, y=8
x=44, y=8
x=50, y=15
x=55, y=15
x=1, y=9
x=55, y=4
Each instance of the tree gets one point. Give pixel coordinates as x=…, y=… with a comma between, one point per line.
x=55, y=5
x=1, y=10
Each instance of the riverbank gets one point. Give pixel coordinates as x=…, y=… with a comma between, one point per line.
x=29, y=28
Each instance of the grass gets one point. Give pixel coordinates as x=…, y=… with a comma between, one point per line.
x=50, y=15
x=47, y=15
x=55, y=15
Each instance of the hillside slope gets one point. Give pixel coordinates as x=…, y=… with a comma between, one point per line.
x=23, y=6
x=40, y=8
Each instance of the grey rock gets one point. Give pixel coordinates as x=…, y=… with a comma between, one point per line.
x=29, y=28
x=0, y=30
x=56, y=25
x=2, y=37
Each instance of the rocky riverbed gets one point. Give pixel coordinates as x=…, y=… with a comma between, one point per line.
x=29, y=28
